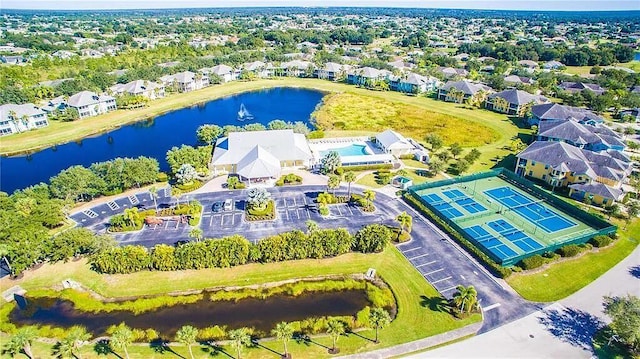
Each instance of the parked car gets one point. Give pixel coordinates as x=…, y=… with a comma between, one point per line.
x=217, y=207
x=228, y=204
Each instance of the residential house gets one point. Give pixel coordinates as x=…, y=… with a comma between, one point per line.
x=91, y=53
x=554, y=111
x=18, y=118
x=394, y=143
x=13, y=60
x=259, y=69
x=91, y=104
x=56, y=104
x=367, y=76
x=224, y=72
x=332, y=71
x=561, y=165
x=513, y=102
x=515, y=80
x=462, y=57
x=63, y=54
x=634, y=113
x=185, y=81
x=413, y=83
x=528, y=64
x=463, y=91
x=400, y=65
x=553, y=65
x=450, y=72
x=297, y=68
x=148, y=89
x=596, y=193
x=593, y=138
x=575, y=87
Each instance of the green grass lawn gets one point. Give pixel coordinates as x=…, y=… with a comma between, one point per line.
x=414, y=163
x=578, y=70
x=562, y=279
x=418, y=315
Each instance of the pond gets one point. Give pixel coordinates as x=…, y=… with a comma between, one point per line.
x=261, y=314
x=154, y=137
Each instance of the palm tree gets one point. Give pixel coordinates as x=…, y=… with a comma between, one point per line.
x=405, y=221
x=77, y=337
x=370, y=196
x=196, y=233
x=312, y=226
x=465, y=298
x=131, y=214
x=154, y=195
x=349, y=177
x=14, y=118
x=436, y=166
x=21, y=340
x=379, y=318
x=187, y=335
x=232, y=182
x=122, y=337
x=283, y=331
x=239, y=338
x=335, y=329
x=333, y=183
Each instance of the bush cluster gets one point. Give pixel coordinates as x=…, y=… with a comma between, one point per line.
x=237, y=250
x=188, y=187
x=368, y=167
x=601, y=241
x=570, y=250
x=532, y=262
x=268, y=214
x=289, y=179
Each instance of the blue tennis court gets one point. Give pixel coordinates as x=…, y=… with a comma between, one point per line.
x=490, y=243
x=515, y=236
x=442, y=206
x=533, y=212
x=464, y=201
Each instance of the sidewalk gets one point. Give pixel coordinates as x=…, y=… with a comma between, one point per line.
x=421, y=344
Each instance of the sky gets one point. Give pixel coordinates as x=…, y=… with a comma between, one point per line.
x=563, y=5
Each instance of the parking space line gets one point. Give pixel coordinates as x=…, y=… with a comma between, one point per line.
x=409, y=250
x=349, y=209
x=339, y=211
x=441, y=280
x=448, y=289
x=416, y=257
x=490, y=307
x=425, y=264
x=435, y=271
x=211, y=221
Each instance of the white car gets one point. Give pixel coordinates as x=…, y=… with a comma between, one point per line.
x=228, y=205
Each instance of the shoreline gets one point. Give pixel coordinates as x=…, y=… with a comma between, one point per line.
x=64, y=132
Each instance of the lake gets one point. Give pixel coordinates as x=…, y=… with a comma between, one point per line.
x=154, y=137
x=258, y=313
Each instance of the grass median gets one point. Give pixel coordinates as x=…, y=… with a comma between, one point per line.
x=418, y=313
x=562, y=279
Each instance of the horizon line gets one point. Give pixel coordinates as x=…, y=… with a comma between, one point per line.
x=319, y=7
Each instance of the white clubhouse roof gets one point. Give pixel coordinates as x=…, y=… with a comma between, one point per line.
x=258, y=163
x=392, y=140
x=284, y=145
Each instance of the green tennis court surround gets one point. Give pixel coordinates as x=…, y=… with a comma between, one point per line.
x=507, y=217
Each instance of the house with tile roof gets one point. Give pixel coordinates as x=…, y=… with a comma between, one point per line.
x=19, y=118
x=185, y=81
x=367, y=76
x=588, y=137
x=578, y=87
x=258, y=68
x=554, y=111
x=462, y=91
x=560, y=164
x=513, y=102
x=89, y=103
x=332, y=71
x=515, y=80
x=148, y=89
x=413, y=83
x=450, y=72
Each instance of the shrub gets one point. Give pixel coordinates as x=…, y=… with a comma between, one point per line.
x=316, y=134
x=532, y=262
x=601, y=241
x=188, y=187
x=370, y=167
x=371, y=238
x=569, y=250
x=267, y=214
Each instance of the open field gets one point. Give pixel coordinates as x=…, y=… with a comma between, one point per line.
x=417, y=317
x=349, y=111
x=567, y=277
x=578, y=70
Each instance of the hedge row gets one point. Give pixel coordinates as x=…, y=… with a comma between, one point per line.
x=495, y=268
x=236, y=250
x=366, y=167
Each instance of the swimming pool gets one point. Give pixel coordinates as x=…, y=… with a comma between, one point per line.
x=351, y=150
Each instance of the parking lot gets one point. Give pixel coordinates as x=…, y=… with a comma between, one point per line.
x=432, y=267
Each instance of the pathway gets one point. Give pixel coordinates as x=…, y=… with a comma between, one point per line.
x=560, y=330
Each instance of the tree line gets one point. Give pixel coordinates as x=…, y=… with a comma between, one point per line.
x=237, y=250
